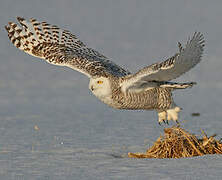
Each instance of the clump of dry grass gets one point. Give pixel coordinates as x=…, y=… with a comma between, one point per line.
x=178, y=143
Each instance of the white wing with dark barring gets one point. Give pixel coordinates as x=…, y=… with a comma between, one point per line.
x=167, y=70
x=60, y=47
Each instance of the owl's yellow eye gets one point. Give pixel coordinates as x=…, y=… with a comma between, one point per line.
x=99, y=82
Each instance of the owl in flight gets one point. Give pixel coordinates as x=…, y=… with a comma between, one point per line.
x=148, y=89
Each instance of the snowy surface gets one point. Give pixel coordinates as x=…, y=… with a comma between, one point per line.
x=80, y=137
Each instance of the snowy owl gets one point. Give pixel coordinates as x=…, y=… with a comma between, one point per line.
x=147, y=89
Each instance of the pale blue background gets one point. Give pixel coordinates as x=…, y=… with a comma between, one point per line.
x=82, y=138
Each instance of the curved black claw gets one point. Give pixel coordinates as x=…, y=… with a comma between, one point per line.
x=178, y=124
x=165, y=122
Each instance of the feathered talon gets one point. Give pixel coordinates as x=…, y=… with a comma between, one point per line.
x=168, y=115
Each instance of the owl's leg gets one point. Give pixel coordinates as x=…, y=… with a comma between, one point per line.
x=162, y=117
x=172, y=113
x=169, y=114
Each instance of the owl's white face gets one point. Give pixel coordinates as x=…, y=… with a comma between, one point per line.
x=100, y=87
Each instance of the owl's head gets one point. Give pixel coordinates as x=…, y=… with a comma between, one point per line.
x=100, y=87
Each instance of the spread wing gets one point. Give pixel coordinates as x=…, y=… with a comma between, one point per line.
x=170, y=69
x=60, y=47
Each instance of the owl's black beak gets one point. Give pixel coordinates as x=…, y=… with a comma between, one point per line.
x=92, y=88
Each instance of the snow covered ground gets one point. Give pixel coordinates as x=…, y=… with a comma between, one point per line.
x=52, y=127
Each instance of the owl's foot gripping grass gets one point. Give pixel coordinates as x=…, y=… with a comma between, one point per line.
x=170, y=114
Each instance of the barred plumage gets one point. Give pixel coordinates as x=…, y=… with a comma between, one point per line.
x=147, y=89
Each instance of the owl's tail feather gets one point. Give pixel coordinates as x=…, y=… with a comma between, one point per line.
x=174, y=85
